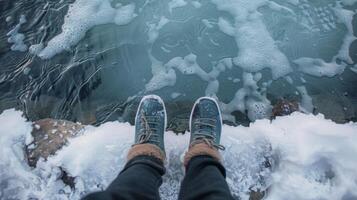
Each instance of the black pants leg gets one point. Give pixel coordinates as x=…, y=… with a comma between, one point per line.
x=205, y=179
x=140, y=179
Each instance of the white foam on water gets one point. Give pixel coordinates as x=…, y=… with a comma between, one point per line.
x=311, y=158
x=154, y=29
x=306, y=100
x=354, y=69
x=349, y=2
x=257, y=49
x=83, y=15
x=175, y=95
x=161, y=80
x=196, y=4
x=8, y=18
x=249, y=99
x=226, y=27
x=16, y=38
x=345, y=17
x=176, y=4
x=162, y=76
x=35, y=49
x=318, y=67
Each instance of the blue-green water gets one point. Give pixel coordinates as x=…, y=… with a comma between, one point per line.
x=104, y=74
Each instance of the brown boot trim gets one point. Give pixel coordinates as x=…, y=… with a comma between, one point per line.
x=201, y=149
x=146, y=150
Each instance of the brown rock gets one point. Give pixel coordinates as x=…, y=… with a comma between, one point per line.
x=49, y=135
x=284, y=107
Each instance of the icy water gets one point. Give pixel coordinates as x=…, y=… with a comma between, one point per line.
x=91, y=61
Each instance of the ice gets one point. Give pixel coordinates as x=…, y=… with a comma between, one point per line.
x=82, y=16
x=16, y=38
x=311, y=158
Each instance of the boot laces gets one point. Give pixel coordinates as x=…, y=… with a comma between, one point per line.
x=149, y=128
x=206, y=135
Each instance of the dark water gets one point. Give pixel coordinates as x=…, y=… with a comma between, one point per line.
x=103, y=77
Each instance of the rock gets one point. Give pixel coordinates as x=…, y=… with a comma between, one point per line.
x=49, y=135
x=284, y=107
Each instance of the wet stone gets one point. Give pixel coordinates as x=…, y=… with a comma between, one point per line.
x=284, y=107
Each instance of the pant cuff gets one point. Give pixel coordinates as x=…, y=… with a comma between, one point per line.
x=201, y=149
x=146, y=150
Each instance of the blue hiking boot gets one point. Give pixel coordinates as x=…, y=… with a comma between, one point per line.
x=150, y=122
x=206, y=123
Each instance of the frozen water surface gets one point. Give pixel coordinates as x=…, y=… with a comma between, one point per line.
x=92, y=60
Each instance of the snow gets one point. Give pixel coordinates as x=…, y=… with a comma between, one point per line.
x=311, y=157
x=82, y=16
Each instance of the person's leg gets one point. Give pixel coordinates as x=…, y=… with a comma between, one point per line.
x=204, y=179
x=205, y=175
x=141, y=176
x=140, y=179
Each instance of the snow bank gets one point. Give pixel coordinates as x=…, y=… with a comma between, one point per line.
x=311, y=157
x=82, y=16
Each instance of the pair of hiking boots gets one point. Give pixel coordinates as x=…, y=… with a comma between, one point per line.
x=150, y=125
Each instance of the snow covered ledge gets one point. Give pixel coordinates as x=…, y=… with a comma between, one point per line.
x=297, y=157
